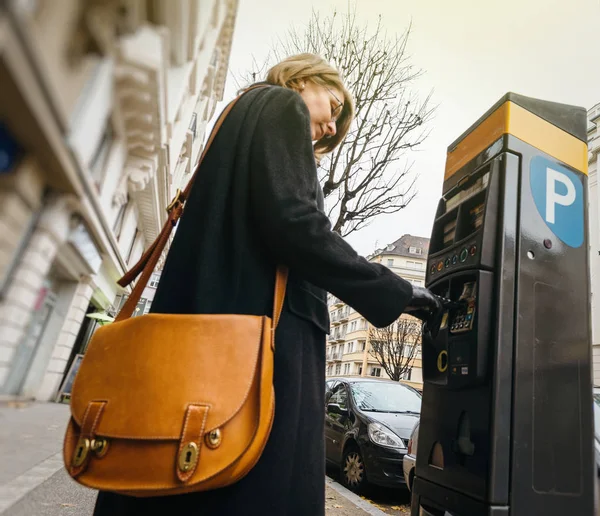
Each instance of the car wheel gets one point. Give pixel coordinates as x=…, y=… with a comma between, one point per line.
x=354, y=475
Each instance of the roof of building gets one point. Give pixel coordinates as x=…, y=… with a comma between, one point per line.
x=402, y=246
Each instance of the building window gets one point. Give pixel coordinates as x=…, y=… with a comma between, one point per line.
x=414, y=265
x=8, y=267
x=98, y=162
x=363, y=345
x=133, y=242
x=376, y=371
x=346, y=368
x=415, y=250
x=350, y=347
x=352, y=326
x=338, y=368
x=390, y=262
x=118, y=225
x=194, y=124
x=154, y=281
x=359, y=369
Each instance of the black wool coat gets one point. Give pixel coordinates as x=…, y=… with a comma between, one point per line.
x=256, y=202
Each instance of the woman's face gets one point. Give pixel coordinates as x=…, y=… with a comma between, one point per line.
x=324, y=105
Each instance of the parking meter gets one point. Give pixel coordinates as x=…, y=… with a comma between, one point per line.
x=506, y=422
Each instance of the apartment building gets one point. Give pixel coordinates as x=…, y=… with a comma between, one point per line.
x=348, y=349
x=104, y=107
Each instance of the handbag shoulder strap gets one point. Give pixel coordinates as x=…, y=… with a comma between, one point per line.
x=146, y=264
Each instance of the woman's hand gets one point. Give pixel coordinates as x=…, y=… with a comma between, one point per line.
x=428, y=307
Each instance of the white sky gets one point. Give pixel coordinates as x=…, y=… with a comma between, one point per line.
x=472, y=52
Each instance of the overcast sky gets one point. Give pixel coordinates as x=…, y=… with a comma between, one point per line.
x=472, y=52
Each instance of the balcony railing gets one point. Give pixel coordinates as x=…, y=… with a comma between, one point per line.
x=335, y=357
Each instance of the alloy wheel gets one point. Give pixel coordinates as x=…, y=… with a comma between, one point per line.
x=354, y=469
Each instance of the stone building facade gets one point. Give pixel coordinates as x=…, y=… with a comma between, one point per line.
x=103, y=111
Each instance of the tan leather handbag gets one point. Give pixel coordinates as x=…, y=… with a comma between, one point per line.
x=168, y=403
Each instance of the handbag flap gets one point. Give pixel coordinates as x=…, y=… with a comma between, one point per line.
x=148, y=370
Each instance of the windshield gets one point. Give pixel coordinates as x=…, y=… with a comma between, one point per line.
x=385, y=397
x=597, y=412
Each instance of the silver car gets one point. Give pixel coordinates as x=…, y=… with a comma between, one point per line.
x=408, y=463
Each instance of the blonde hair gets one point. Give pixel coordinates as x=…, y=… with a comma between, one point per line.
x=294, y=70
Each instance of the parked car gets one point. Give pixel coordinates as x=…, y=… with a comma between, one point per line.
x=410, y=459
x=368, y=422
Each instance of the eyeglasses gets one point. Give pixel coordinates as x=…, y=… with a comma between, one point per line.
x=337, y=111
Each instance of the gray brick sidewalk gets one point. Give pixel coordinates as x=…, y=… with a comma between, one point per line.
x=31, y=437
x=33, y=481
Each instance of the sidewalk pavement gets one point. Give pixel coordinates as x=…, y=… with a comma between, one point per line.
x=33, y=481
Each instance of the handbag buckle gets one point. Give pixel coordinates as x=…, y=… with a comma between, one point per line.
x=176, y=200
x=188, y=456
x=81, y=452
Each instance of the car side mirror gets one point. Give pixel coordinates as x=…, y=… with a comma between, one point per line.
x=334, y=408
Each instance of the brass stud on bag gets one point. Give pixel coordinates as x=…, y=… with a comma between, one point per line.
x=81, y=451
x=213, y=438
x=188, y=456
x=99, y=447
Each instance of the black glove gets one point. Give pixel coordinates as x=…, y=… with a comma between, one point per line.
x=428, y=307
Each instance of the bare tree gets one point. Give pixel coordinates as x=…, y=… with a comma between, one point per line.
x=369, y=174
x=395, y=347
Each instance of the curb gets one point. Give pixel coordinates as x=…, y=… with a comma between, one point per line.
x=21, y=486
x=354, y=498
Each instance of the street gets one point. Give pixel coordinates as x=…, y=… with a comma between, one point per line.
x=33, y=481
x=395, y=501
x=390, y=501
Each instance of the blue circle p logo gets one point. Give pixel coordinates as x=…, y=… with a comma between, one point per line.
x=558, y=196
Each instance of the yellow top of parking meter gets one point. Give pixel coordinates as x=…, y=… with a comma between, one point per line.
x=559, y=130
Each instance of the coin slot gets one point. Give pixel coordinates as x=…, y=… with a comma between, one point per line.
x=442, y=361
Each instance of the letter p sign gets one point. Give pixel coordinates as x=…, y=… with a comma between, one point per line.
x=558, y=196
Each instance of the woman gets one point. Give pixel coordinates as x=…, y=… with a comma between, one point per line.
x=256, y=202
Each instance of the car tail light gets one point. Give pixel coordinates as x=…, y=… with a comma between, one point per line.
x=409, y=446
